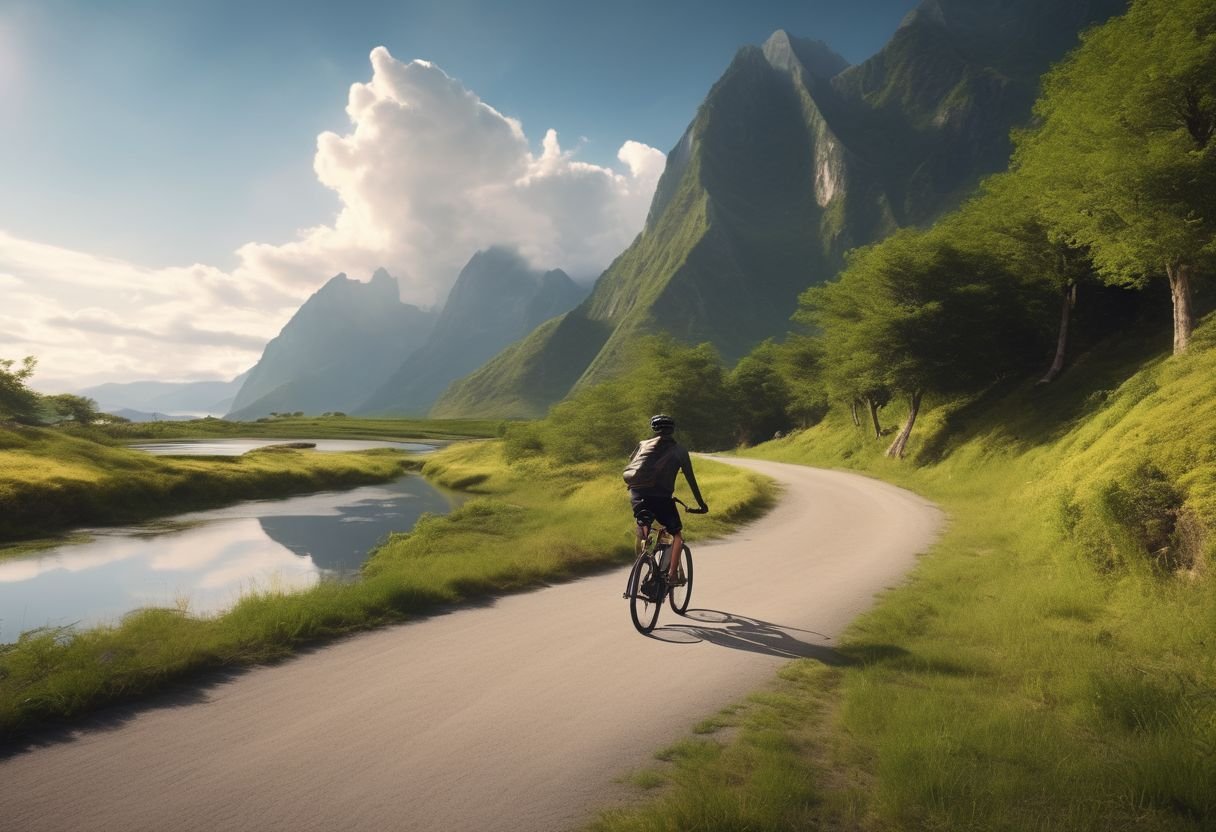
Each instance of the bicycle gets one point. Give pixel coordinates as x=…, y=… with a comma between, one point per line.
x=648, y=585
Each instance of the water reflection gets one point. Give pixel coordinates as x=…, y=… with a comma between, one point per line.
x=206, y=560
x=236, y=447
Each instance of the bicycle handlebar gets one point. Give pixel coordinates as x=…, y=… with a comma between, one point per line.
x=691, y=510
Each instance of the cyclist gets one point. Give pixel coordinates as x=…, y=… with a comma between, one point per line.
x=651, y=478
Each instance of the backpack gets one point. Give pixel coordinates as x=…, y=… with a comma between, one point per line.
x=648, y=462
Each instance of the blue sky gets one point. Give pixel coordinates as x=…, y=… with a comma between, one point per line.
x=166, y=133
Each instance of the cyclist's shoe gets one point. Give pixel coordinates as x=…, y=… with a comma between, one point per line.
x=678, y=580
x=651, y=588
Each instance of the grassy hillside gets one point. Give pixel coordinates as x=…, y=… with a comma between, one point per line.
x=50, y=480
x=531, y=523
x=1048, y=666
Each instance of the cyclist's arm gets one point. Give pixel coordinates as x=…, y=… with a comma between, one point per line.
x=686, y=467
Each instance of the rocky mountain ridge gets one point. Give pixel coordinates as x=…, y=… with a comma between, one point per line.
x=793, y=159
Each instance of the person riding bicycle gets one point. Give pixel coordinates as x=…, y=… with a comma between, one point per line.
x=651, y=479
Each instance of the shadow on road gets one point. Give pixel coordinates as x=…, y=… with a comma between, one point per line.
x=750, y=634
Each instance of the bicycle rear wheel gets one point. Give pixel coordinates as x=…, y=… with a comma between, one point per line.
x=681, y=594
x=643, y=581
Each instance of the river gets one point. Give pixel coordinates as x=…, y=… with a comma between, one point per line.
x=204, y=561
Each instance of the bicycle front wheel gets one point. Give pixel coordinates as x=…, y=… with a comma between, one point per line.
x=681, y=593
x=644, y=601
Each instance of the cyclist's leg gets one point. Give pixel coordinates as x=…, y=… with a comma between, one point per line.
x=677, y=547
x=667, y=514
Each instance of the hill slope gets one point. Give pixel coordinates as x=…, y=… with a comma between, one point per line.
x=1049, y=664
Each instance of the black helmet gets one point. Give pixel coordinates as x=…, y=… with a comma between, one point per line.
x=662, y=424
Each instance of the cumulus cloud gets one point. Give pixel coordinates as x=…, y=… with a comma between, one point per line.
x=430, y=173
x=427, y=174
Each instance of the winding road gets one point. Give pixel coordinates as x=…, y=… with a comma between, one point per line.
x=519, y=715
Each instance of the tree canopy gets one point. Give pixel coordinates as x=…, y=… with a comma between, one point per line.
x=1123, y=160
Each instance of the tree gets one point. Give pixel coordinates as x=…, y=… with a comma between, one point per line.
x=604, y=421
x=1123, y=159
x=760, y=394
x=1005, y=222
x=17, y=401
x=916, y=315
x=71, y=408
x=849, y=368
x=799, y=361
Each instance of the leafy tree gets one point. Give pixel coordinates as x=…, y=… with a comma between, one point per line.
x=799, y=360
x=67, y=407
x=1124, y=159
x=1005, y=222
x=17, y=401
x=761, y=395
x=915, y=315
x=688, y=383
x=606, y=420
x=847, y=364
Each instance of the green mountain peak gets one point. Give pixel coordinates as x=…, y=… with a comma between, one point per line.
x=794, y=158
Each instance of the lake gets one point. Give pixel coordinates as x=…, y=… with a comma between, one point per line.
x=205, y=560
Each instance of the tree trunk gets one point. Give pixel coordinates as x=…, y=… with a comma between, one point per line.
x=896, y=451
x=1184, y=318
x=1057, y=364
x=874, y=418
x=853, y=411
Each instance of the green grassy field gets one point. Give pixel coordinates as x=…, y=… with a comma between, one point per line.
x=1049, y=666
x=51, y=480
x=305, y=427
x=529, y=523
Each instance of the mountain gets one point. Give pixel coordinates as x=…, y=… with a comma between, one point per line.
x=145, y=416
x=793, y=159
x=496, y=299
x=339, y=347
x=167, y=397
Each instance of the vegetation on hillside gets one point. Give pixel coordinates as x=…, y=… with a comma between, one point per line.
x=716, y=408
x=1049, y=664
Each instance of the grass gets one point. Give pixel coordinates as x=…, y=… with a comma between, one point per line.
x=530, y=523
x=51, y=480
x=306, y=427
x=1048, y=666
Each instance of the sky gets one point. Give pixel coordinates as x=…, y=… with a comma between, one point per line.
x=177, y=177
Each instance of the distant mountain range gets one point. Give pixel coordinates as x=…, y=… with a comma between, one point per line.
x=793, y=159
x=496, y=299
x=356, y=348
x=166, y=398
x=343, y=343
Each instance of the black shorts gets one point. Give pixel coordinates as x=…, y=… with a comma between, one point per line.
x=663, y=509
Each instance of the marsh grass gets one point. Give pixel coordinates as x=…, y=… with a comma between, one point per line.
x=530, y=524
x=1047, y=667
x=50, y=480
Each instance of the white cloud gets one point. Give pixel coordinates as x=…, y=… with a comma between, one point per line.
x=430, y=173
x=427, y=175
x=91, y=319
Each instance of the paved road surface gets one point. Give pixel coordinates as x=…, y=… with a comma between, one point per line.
x=521, y=715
